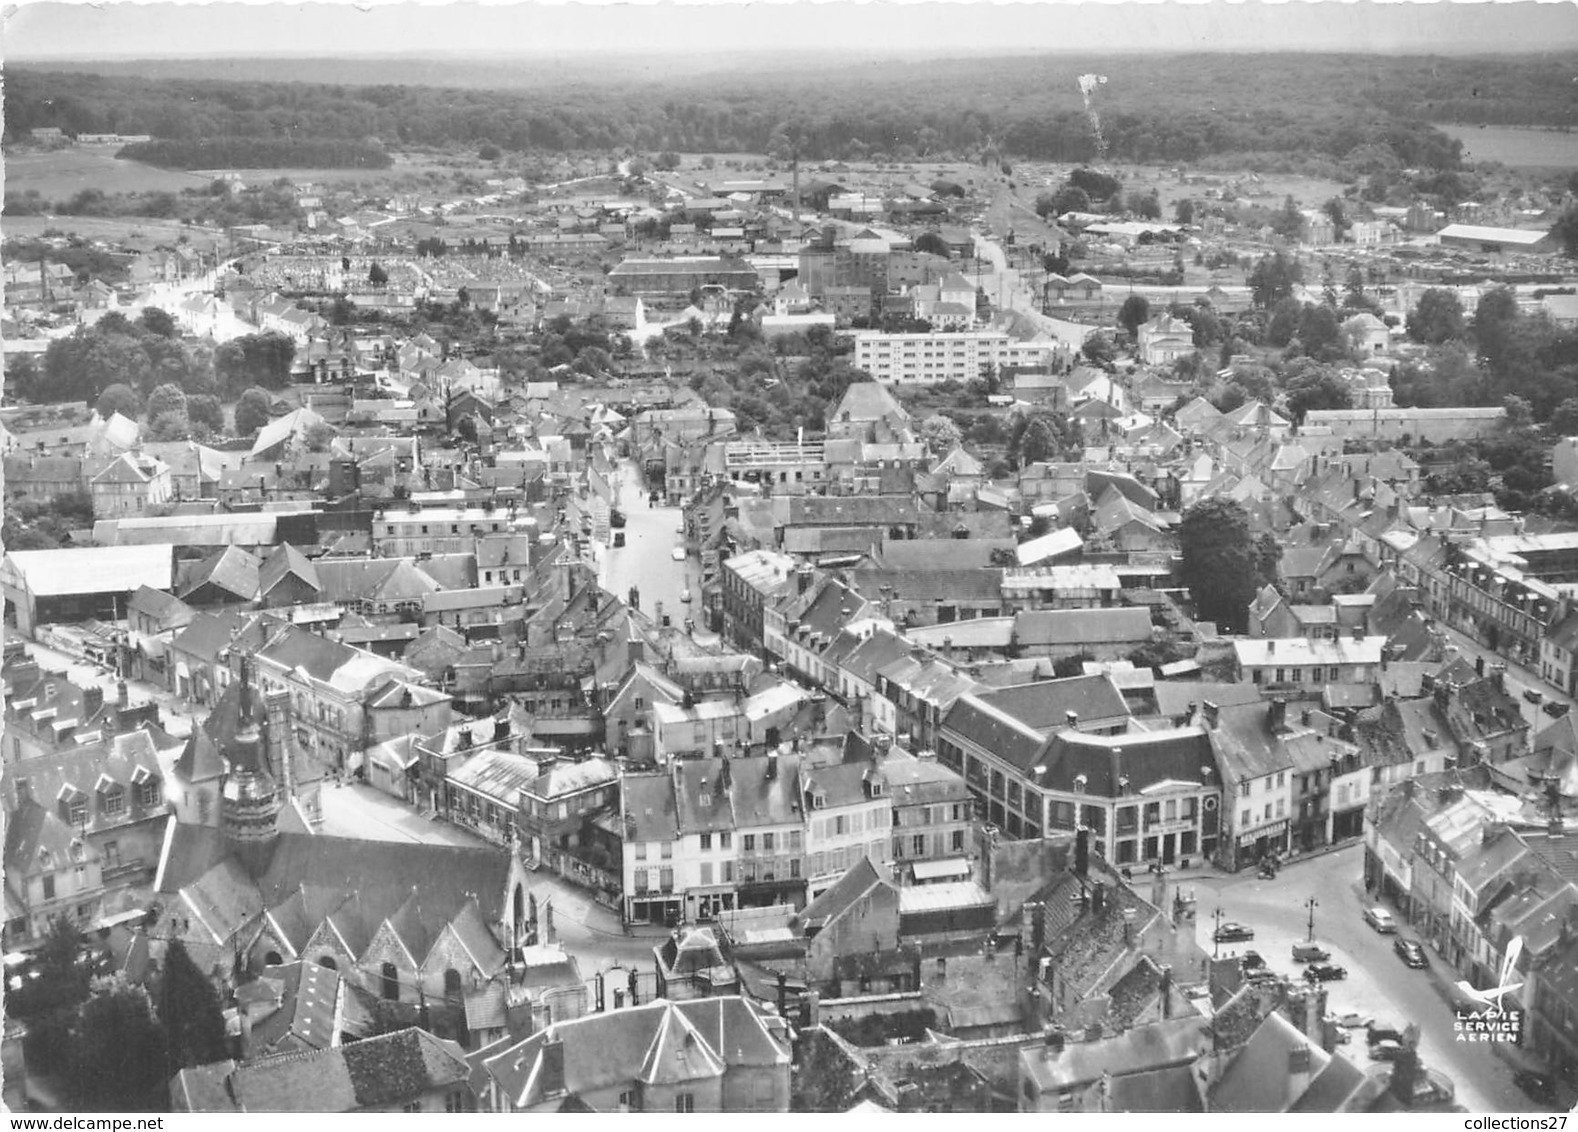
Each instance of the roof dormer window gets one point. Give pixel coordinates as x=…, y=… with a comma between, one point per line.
x=1079, y=783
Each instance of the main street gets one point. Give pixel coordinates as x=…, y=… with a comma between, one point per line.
x=1520, y=679
x=1378, y=984
x=646, y=560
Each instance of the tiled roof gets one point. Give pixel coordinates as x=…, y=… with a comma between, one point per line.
x=373, y=1073
x=231, y=569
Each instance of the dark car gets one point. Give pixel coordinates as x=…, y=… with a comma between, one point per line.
x=616, y=518
x=1252, y=960
x=1387, y=1050
x=1409, y=951
x=1310, y=953
x=1233, y=933
x=1537, y=1086
x=1324, y=972
x=1556, y=708
x=1374, y=1035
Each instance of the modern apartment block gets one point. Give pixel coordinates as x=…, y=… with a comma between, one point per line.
x=931, y=359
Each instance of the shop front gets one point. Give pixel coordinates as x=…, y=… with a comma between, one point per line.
x=1263, y=842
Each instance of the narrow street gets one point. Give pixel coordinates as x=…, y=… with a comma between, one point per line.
x=1378, y=984
x=178, y=716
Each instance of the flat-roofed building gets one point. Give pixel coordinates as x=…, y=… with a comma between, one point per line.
x=931, y=359
x=1496, y=241
x=79, y=583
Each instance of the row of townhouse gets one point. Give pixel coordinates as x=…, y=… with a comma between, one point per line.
x=711, y=835
x=1479, y=864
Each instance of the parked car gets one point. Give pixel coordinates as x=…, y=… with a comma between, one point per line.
x=1310, y=953
x=677, y=554
x=1375, y=1034
x=1325, y=972
x=1231, y=932
x=1252, y=960
x=1381, y=920
x=1409, y=951
x=619, y=539
x=685, y=596
x=616, y=518
x=1533, y=695
x=1536, y=1086
x=1386, y=1050
x=1556, y=708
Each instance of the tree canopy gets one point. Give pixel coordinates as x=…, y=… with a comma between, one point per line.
x=1219, y=561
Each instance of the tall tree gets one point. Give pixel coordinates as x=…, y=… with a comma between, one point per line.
x=166, y=399
x=117, y=399
x=1219, y=560
x=1436, y=318
x=1495, y=316
x=189, y=1011
x=1135, y=311
x=204, y=409
x=1274, y=277
x=118, y=1049
x=252, y=411
x=158, y=322
x=1038, y=443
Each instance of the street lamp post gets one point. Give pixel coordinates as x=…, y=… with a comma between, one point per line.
x=1216, y=936
x=1312, y=904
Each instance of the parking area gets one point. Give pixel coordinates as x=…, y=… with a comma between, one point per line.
x=1378, y=984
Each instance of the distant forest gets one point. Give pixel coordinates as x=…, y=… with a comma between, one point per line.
x=1152, y=108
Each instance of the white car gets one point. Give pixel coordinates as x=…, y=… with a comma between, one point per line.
x=677, y=554
x=1381, y=920
x=685, y=597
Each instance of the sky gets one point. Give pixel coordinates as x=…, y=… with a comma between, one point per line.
x=119, y=29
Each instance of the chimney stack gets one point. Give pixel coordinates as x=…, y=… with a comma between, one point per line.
x=1277, y=716
x=1072, y=719
x=1212, y=713
x=1082, y=852
x=1167, y=991
x=122, y=695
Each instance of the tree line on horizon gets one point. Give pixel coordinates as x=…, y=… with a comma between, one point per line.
x=1183, y=108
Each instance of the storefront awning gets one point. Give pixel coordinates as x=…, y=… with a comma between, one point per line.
x=951, y=868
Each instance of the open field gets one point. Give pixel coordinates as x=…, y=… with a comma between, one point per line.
x=132, y=231
x=1517, y=146
x=418, y=166
x=60, y=174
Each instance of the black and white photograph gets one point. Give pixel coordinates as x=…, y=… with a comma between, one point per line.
x=789, y=557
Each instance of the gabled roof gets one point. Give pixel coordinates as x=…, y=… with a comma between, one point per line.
x=867, y=401
x=374, y=1073
x=845, y=893
x=283, y=561
x=231, y=570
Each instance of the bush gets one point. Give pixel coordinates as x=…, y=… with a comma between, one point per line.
x=877, y=1029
